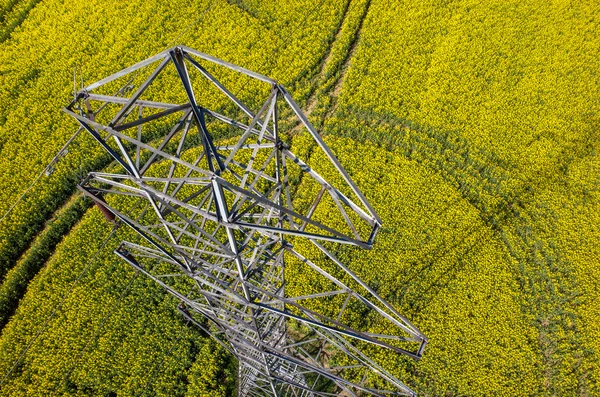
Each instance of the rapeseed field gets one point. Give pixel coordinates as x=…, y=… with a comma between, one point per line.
x=472, y=128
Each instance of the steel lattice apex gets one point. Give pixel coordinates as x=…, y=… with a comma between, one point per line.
x=223, y=203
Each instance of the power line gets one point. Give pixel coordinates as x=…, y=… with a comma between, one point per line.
x=65, y=297
x=96, y=334
x=59, y=305
x=47, y=170
x=286, y=40
x=183, y=31
x=23, y=195
x=167, y=355
x=172, y=42
x=103, y=322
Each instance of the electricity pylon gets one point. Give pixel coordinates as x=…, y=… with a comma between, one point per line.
x=227, y=205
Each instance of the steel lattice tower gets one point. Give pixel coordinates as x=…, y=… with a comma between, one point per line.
x=219, y=221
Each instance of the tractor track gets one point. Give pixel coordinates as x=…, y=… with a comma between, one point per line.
x=323, y=88
x=551, y=294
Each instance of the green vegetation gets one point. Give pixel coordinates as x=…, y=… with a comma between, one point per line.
x=471, y=127
x=114, y=332
x=14, y=284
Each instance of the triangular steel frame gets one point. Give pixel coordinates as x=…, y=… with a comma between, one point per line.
x=217, y=224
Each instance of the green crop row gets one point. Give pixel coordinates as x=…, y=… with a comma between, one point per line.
x=12, y=14
x=113, y=333
x=15, y=283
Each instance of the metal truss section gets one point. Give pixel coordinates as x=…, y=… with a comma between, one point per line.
x=228, y=203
